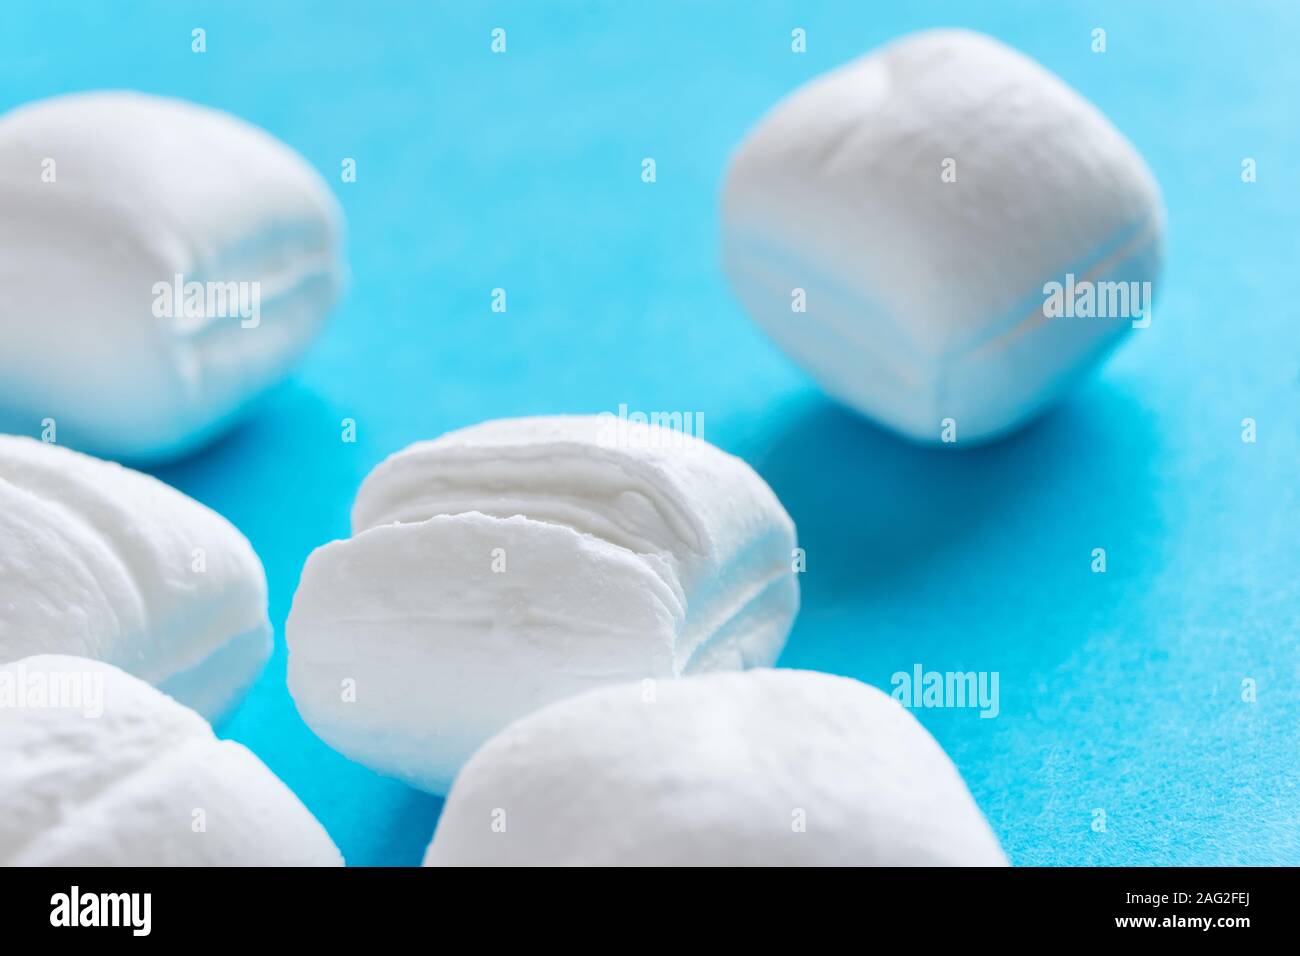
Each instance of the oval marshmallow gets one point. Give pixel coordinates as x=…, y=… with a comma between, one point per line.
x=98, y=768
x=768, y=767
x=97, y=560
x=162, y=264
x=503, y=566
x=900, y=226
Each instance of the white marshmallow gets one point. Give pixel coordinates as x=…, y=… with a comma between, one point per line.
x=100, y=561
x=507, y=565
x=145, y=189
x=98, y=768
x=925, y=297
x=769, y=767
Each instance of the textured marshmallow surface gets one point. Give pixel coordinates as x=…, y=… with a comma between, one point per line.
x=97, y=560
x=768, y=767
x=925, y=298
x=144, y=189
x=506, y=565
x=98, y=768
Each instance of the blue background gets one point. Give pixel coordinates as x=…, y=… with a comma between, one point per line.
x=1120, y=691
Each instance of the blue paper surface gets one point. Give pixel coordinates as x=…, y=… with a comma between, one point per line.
x=1119, y=692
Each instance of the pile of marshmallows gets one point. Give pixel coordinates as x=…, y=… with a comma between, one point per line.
x=569, y=635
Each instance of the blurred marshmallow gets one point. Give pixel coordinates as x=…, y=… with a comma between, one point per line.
x=97, y=560
x=98, y=768
x=162, y=264
x=919, y=203
x=764, y=768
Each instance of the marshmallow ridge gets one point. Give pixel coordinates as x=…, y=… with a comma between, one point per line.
x=511, y=563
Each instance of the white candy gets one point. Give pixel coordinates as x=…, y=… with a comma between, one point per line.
x=105, y=199
x=768, y=767
x=97, y=560
x=513, y=563
x=917, y=202
x=98, y=768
